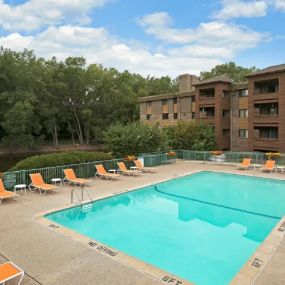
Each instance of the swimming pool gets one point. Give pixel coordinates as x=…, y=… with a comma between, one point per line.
x=201, y=227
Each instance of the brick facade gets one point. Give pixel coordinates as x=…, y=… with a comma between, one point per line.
x=246, y=117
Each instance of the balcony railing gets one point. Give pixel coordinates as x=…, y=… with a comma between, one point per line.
x=202, y=117
x=207, y=99
x=266, y=143
x=265, y=119
x=266, y=115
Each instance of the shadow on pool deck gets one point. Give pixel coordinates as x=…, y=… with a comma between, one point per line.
x=52, y=258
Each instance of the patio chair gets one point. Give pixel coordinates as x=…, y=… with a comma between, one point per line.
x=39, y=184
x=269, y=166
x=4, y=194
x=10, y=271
x=142, y=168
x=71, y=178
x=245, y=164
x=123, y=170
x=101, y=172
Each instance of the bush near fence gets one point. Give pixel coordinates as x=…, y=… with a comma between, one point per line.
x=61, y=158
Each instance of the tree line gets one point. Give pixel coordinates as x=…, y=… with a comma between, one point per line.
x=52, y=100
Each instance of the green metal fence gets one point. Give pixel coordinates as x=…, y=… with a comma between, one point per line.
x=156, y=159
x=83, y=170
x=227, y=157
x=87, y=170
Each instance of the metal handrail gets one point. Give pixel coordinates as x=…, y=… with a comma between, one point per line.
x=89, y=196
x=83, y=189
x=72, y=194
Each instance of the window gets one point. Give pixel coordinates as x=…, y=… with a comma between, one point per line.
x=164, y=102
x=148, y=104
x=175, y=101
x=243, y=133
x=193, y=99
x=243, y=113
x=165, y=116
x=242, y=93
x=148, y=116
x=175, y=116
x=226, y=113
x=193, y=115
x=226, y=132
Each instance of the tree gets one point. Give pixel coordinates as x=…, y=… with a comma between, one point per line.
x=18, y=125
x=69, y=100
x=235, y=72
x=21, y=78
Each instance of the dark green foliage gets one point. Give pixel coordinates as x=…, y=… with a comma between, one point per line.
x=51, y=100
x=191, y=136
x=235, y=72
x=134, y=139
x=62, y=158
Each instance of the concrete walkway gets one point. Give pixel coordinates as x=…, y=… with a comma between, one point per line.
x=48, y=257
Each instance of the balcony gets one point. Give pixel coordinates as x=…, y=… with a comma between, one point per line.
x=207, y=96
x=207, y=113
x=266, y=138
x=266, y=86
x=266, y=113
x=266, y=90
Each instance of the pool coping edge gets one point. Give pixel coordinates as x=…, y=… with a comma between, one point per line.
x=247, y=274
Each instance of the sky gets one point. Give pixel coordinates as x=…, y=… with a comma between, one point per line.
x=149, y=37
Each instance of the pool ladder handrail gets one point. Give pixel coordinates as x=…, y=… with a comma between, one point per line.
x=83, y=189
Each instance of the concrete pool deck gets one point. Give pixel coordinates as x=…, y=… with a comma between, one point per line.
x=48, y=257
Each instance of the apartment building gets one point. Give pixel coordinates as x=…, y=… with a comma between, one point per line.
x=247, y=116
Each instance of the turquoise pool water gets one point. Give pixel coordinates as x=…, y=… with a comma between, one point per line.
x=202, y=227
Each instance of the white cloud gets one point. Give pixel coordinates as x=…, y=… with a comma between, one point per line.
x=280, y=5
x=35, y=14
x=237, y=8
x=187, y=50
x=249, y=9
x=159, y=19
x=208, y=39
x=203, y=51
x=182, y=50
x=98, y=46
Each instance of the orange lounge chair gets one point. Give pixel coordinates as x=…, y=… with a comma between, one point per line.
x=9, y=271
x=71, y=178
x=269, y=166
x=140, y=167
x=245, y=164
x=38, y=183
x=101, y=171
x=123, y=169
x=4, y=194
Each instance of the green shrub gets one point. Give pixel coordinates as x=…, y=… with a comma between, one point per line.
x=61, y=158
x=191, y=136
x=135, y=138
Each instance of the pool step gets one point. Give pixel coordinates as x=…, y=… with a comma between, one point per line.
x=86, y=207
